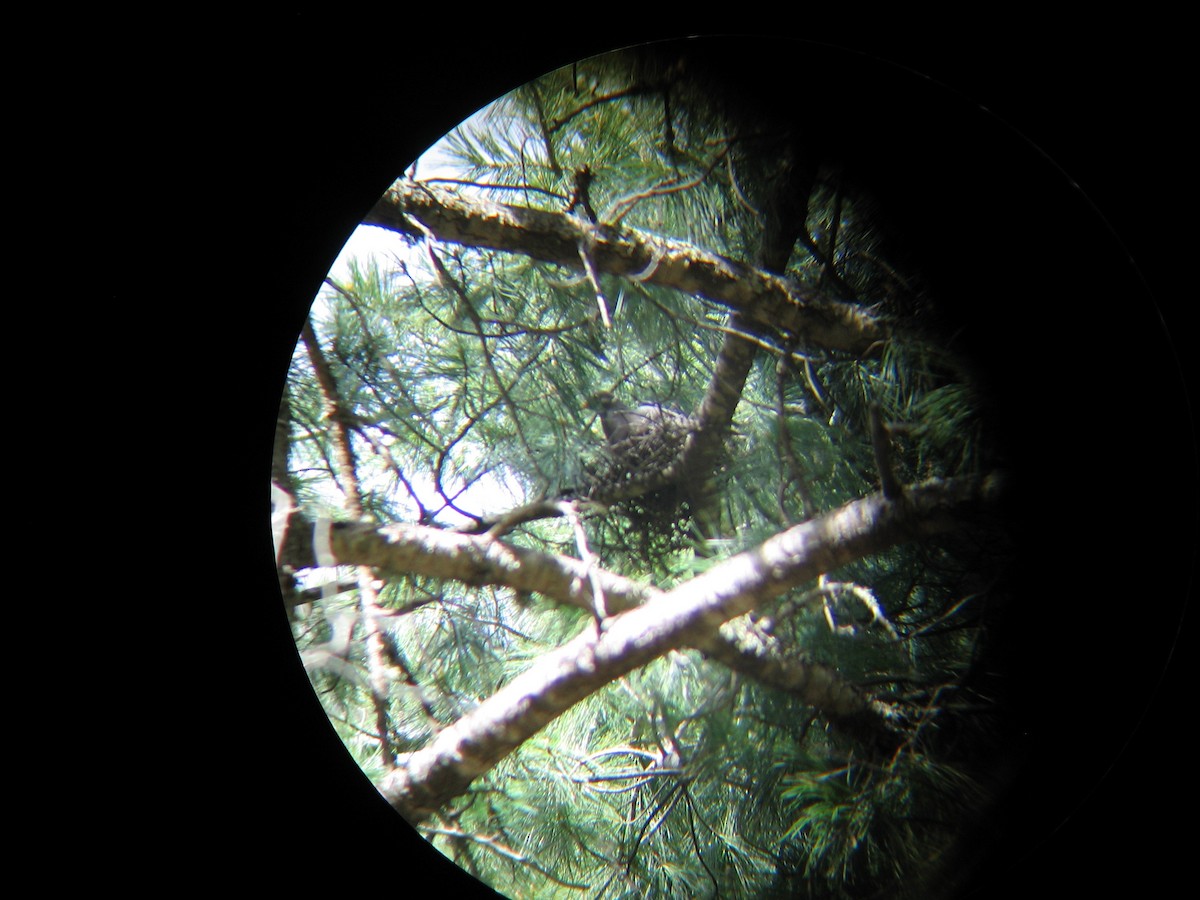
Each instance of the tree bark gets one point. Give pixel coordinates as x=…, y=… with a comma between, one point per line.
x=687, y=616
x=766, y=300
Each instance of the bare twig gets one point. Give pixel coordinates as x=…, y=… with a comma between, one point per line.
x=589, y=560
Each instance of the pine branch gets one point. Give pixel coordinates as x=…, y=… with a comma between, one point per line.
x=685, y=616
x=765, y=299
x=400, y=550
x=339, y=421
x=343, y=453
x=750, y=651
x=715, y=415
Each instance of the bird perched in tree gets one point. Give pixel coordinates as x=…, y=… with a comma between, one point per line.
x=644, y=468
x=620, y=423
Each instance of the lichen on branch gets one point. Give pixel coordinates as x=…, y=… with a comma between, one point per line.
x=763, y=298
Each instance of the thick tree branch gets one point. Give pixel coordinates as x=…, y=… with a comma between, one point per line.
x=763, y=298
x=686, y=616
x=715, y=415
x=743, y=648
x=402, y=549
x=747, y=649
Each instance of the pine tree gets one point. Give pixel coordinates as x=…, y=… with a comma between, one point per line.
x=737, y=651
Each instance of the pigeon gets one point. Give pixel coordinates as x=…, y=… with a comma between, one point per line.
x=620, y=423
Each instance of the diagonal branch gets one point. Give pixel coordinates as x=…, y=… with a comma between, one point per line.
x=688, y=615
x=340, y=421
x=764, y=299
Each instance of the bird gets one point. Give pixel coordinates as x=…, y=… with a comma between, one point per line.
x=620, y=423
x=645, y=466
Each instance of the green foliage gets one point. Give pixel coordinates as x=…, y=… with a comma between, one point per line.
x=466, y=385
x=863, y=830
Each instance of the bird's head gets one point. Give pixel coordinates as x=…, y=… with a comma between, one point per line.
x=603, y=400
